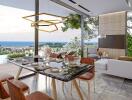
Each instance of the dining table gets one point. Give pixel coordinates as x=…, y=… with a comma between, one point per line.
x=56, y=69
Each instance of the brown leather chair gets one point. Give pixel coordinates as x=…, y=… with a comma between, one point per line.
x=89, y=75
x=70, y=57
x=4, y=93
x=3, y=77
x=17, y=93
x=54, y=55
x=71, y=53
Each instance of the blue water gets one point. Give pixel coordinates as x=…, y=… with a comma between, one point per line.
x=17, y=43
x=21, y=43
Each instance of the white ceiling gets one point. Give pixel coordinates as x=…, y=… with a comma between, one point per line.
x=46, y=6
x=97, y=7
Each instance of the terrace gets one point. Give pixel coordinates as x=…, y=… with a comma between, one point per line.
x=112, y=54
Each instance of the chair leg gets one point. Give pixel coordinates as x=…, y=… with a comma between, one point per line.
x=74, y=82
x=89, y=91
x=94, y=84
x=46, y=82
x=54, y=91
x=63, y=83
x=18, y=73
x=49, y=82
x=79, y=82
x=71, y=88
x=36, y=76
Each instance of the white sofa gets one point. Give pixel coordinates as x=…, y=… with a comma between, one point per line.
x=115, y=67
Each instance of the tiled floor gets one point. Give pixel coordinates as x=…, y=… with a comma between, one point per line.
x=106, y=88
x=12, y=69
x=113, y=88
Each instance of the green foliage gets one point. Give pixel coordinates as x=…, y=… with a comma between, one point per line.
x=73, y=45
x=16, y=55
x=53, y=45
x=129, y=44
x=4, y=52
x=74, y=22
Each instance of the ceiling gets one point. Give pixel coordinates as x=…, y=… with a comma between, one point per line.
x=97, y=7
x=46, y=6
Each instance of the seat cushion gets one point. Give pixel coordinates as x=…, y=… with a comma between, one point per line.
x=87, y=76
x=21, y=85
x=38, y=96
x=4, y=77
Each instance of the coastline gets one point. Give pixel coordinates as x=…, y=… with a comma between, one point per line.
x=25, y=43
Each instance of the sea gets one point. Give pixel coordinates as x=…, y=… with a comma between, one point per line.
x=29, y=43
x=17, y=43
x=22, y=43
x=3, y=58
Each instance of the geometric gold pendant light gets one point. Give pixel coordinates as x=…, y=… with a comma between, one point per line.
x=47, y=22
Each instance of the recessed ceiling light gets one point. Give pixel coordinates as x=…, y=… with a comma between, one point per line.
x=84, y=8
x=73, y=1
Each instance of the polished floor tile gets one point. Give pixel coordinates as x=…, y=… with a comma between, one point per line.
x=112, y=96
x=107, y=87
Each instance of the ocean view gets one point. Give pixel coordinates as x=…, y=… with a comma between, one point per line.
x=23, y=43
x=19, y=47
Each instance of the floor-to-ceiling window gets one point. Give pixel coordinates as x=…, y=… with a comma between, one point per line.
x=129, y=33
x=91, y=36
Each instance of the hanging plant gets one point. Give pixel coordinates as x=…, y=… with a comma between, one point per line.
x=74, y=22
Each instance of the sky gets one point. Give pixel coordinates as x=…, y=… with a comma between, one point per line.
x=14, y=28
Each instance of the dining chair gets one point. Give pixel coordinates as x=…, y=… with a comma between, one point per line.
x=69, y=57
x=16, y=93
x=57, y=55
x=54, y=55
x=4, y=93
x=89, y=76
x=71, y=52
x=3, y=77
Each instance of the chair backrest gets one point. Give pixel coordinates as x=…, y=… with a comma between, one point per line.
x=88, y=61
x=54, y=55
x=70, y=57
x=3, y=92
x=71, y=53
x=15, y=92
